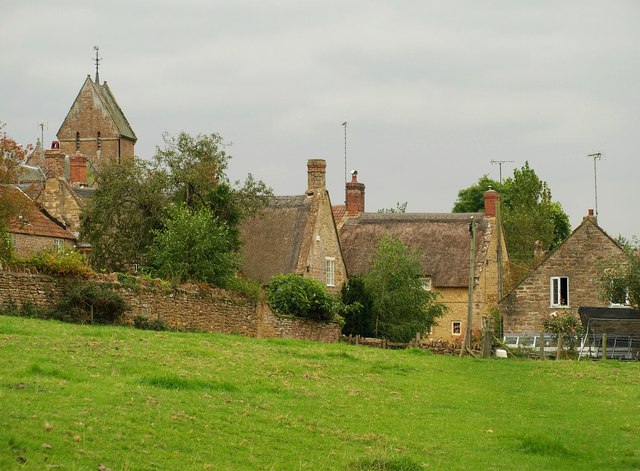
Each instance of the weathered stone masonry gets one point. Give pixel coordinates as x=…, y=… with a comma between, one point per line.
x=189, y=307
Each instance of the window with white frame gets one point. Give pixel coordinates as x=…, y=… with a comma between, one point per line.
x=330, y=271
x=426, y=283
x=456, y=327
x=57, y=243
x=559, y=295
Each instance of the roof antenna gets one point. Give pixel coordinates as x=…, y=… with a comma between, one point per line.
x=97, y=62
x=499, y=163
x=596, y=156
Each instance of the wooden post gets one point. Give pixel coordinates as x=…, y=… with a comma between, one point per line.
x=542, y=354
x=604, y=346
x=559, y=349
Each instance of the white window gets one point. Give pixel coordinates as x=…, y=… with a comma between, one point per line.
x=426, y=283
x=57, y=243
x=559, y=291
x=456, y=327
x=330, y=264
x=619, y=296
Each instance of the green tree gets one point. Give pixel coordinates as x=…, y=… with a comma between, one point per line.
x=12, y=155
x=358, y=319
x=400, y=208
x=528, y=214
x=128, y=205
x=302, y=297
x=620, y=277
x=193, y=246
x=471, y=199
x=401, y=306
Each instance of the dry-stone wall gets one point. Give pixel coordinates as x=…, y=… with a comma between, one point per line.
x=188, y=307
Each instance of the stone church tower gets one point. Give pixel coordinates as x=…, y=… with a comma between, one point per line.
x=96, y=126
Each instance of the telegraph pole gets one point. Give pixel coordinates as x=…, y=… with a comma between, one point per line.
x=466, y=346
x=596, y=156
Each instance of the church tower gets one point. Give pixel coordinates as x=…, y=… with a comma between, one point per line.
x=95, y=125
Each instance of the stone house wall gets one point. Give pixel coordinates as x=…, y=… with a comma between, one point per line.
x=25, y=245
x=578, y=258
x=189, y=307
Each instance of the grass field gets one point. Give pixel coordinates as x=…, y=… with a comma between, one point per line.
x=89, y=397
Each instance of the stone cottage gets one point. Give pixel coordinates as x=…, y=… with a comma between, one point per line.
x=442, y=241
x=295, y=234
x=564, y=281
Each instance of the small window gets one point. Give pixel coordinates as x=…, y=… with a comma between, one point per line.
x=426, y=283
x=77, y=142
x=57, y=243
x=456, y=327
x=330, y=271
x=619, y=294
x=559, y=291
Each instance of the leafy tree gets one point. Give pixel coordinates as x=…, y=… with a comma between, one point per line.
x=12, y=155
x=401, y=306
x=620, y=278
x=302, y=297
x=129, y=207
x=471, y=199
x=193, y=246
x=528, y=214
x=358, y=318
x=120, y=218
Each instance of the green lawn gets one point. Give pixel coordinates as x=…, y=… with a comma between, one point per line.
x=78, y=397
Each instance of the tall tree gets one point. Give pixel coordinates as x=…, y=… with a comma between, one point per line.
x=129, y=203
x=12, y=155
x=528, y=213
x=401, y=307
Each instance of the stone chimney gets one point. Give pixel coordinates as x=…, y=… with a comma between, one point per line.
x=54, y=163
x=316, y=175
x=354, y=195
x=590, y=216
x=78, y=173
x=491, y=198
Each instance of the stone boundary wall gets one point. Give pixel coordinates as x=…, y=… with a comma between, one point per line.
x=193, y=307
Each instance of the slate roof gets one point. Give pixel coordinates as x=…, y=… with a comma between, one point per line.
x=442, y=240
x=272, y=240
x=31, y=220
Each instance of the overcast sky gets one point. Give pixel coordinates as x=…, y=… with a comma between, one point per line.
x=432, y=90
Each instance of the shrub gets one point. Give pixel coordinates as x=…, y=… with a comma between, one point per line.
x=144, y=323
x=91, y=303
x=302, y=297
x=250, y=289
x=62, y=261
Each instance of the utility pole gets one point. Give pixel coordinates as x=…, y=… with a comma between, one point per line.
x=345, y=159
x=466, y=346
x=499, y=163
x=596, y=156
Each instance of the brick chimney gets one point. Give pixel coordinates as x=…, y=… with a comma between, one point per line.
x=491, y=197
x=316, y=175
x=78, y=164
x=54, y=163
x=354, y=195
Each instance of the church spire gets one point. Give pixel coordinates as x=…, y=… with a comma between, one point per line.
x=97, y=61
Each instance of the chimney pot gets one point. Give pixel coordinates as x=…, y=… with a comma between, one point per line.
x=591, y=212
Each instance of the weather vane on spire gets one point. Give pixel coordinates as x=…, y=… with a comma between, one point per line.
x=97, y=61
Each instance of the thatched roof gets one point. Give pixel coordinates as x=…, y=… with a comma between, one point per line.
x=272, y=239
x=442, y=241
